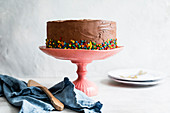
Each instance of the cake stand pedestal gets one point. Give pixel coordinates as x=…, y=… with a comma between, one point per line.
x=81, y=58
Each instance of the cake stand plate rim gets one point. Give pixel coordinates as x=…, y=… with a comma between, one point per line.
x=57, y=49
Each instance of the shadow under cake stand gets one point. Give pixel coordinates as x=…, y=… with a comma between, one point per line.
x=81, y=58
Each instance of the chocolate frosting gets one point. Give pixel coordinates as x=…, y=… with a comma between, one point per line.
x=90, y=30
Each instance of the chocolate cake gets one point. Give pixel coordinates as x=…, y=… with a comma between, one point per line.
x=81, y=34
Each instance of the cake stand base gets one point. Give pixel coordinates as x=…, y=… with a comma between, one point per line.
x=88, y=87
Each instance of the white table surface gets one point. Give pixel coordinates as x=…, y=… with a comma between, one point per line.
x=116, y=98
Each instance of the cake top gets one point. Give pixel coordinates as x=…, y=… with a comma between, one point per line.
x=81, y=20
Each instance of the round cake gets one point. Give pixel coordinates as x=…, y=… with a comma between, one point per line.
x=81, y=34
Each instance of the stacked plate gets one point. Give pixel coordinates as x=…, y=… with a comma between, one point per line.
x=136, y=76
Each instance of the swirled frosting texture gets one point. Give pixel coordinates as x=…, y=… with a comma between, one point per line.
x=90, y=30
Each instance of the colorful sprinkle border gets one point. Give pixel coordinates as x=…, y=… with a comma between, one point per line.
x=82, y=44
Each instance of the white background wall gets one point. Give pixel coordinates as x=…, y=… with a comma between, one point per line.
x=143, y=27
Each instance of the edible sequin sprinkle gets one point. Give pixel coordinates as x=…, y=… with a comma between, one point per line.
x=82, y=44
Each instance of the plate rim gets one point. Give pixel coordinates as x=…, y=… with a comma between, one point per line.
x=137, y=80
x=137, y=83
x=134, y=81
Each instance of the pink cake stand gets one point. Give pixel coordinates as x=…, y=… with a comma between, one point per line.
x=81, y=58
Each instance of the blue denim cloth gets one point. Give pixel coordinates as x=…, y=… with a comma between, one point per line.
x=34, y=100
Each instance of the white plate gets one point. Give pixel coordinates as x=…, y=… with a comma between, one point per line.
x=137, y=83
x=136, y=75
